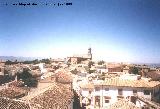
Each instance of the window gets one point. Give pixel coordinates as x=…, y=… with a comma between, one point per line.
x=106, y=89
x=134, y=91
x=146, y=92
x=120, y=92
x=97, y=88
x=107, y=99
x=97, y=100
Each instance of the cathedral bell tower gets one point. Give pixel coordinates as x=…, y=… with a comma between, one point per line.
x=89, y=53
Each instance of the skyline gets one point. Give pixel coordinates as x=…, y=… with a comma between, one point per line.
x=122, y=31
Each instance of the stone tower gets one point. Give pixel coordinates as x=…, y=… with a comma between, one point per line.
x=90, y=53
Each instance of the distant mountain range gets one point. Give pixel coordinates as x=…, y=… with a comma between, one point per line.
x=154, y=65
x=149, y=64
x=13, y=58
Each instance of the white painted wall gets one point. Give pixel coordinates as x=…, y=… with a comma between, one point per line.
x=102, y=70
x=85, y=93
x=113, y=93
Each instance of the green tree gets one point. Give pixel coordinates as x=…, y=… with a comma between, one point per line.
x=91, y=71
x=74, y=71
x=8, y=62
x=25, y=74
x=46, y=61
x=27, y=62
x=101, y=62
x=31, y=82
x=27, y=78
x=90, y=64
x=134, y=70
x=35, y=61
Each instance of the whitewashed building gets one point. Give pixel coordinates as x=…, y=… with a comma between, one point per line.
x=104, y=93
x=101, y=69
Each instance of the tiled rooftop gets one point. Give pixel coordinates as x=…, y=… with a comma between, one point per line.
x=87, y=85
x=6, y=103
x=122, y=104
x=59, y=96
x=63, y=77
x=115, y=82
x=129, y=83
x=12, y=92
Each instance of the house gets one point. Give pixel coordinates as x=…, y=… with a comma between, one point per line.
x=86, y=90
x=53, y=92
x=155, y=75
x=101, y=69
x=126, y=70
x=13, y=92
x=144, y=71
x=59, y=60
x=63, y=77
x=123, y=104
x=76, y=59
x=7, y=103
x=104, y=93
x=59, y=96
x=114, y=68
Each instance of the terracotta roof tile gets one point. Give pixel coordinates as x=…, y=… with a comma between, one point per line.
x=6, y=103
x=123, y=104
x=129, y=83
x=59, y=95
x=63, y=77
x=12, y=92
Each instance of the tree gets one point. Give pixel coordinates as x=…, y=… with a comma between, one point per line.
x=27, y=78
x=35, y=61
x=31, y=82
x=101, y=62
x=27, y=62
x=31, y=62
x=25, y=74
x=90, y=64
x=134, y=70
x=74, y=71
x=91, y=71
x=8, y=62
x=46, y=61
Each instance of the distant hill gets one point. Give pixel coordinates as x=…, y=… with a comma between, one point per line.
x=149, y=64
x=13, y=58
x=154, y=65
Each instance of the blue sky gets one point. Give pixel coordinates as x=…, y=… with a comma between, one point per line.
x=116, y=30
